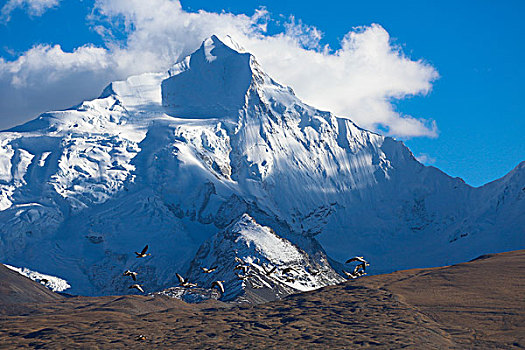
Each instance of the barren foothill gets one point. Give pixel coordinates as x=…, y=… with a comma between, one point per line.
x=478, y=304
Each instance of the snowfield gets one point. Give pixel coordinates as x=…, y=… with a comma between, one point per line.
x=214, y=158
x=54, y=283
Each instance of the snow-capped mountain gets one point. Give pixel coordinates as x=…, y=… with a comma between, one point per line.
x=214, y=158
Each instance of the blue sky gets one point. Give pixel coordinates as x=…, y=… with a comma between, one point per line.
x=476, y=47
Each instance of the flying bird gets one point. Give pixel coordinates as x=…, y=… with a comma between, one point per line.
x=244, y=268
x=361, y=266
x=219, y=285
x=137, y=287
x=184, y=282
x=205, y=270
x=357, y=258
x=350, y=275
x=360, y=273
x=143, y=254
x=130, y=273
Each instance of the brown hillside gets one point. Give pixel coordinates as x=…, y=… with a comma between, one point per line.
x=479, y=304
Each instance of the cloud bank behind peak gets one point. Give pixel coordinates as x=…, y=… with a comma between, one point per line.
x=359, y=80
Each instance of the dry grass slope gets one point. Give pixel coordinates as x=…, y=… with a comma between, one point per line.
x=479, y=304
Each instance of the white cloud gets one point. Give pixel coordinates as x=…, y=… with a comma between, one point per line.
x=44, y=64
x=33, y=7
x=425, y=159
x=358, y=81
x=47, y=78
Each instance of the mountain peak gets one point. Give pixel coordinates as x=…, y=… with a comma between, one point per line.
x=212, y=82
x=215, y=48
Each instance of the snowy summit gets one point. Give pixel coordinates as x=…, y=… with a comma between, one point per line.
x=212, y=82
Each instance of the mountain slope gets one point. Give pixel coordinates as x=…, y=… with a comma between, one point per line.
x=260, y=250
x=16, y=289
x=440, y=308
x=170, y=159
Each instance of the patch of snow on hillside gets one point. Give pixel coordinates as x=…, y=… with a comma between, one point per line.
x=265, y=241
x=54, y=283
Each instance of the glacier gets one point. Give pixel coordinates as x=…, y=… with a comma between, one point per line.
x=214, y=159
